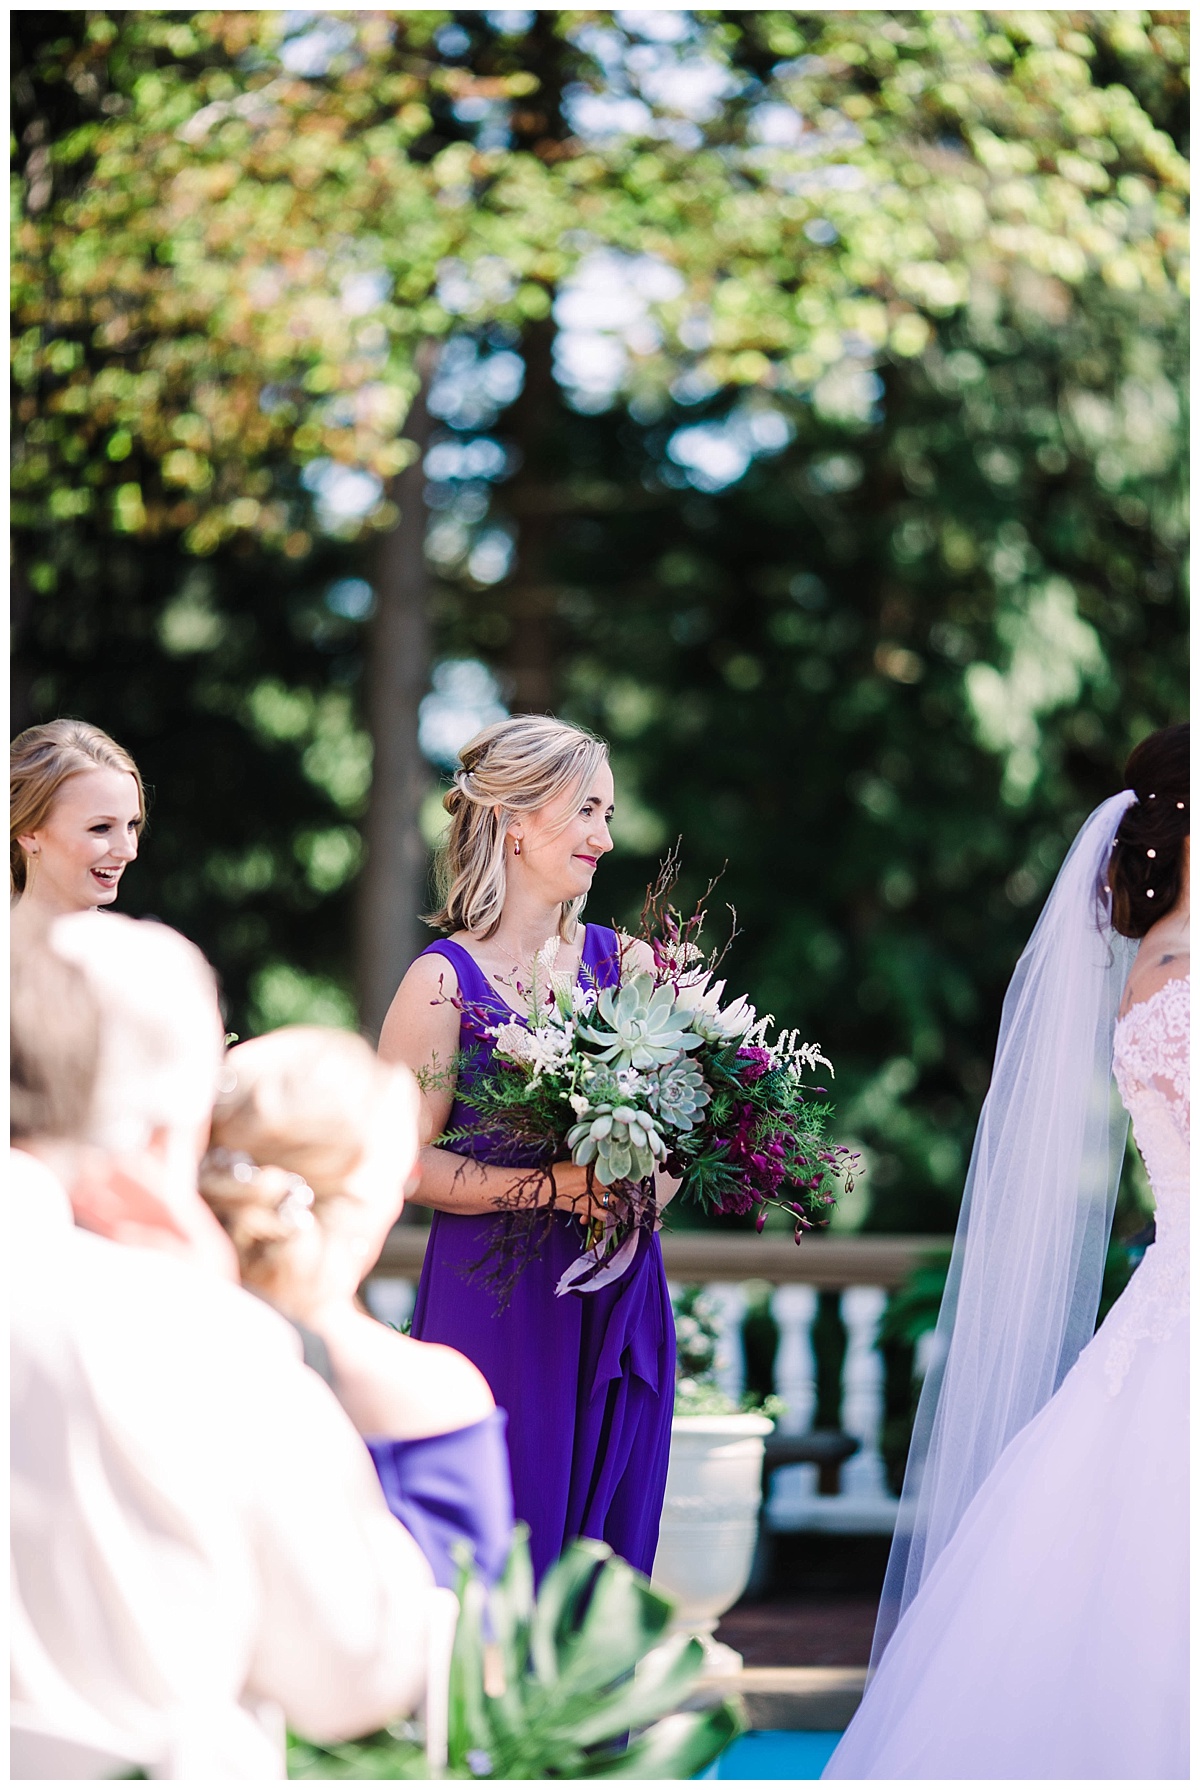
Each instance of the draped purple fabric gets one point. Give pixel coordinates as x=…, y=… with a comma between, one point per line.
x=451, y=1488
x=587, y=1380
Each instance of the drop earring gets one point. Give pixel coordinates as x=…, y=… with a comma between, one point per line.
x=516, y=848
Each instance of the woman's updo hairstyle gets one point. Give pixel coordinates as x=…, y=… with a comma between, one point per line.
x=290, y=1126
x=515, y=766
x=40, y=761
x=1145, y=871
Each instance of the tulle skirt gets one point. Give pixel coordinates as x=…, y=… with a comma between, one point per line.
x=1051, y=1637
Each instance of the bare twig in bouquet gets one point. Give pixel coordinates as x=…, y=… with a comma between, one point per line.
x=674, y=941
x=528, y=1214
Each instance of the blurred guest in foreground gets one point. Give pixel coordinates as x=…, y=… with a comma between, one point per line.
x=76, y=812
x=200, y=1548
x=314, y=1141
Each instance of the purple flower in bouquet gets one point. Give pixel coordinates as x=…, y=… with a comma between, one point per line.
x=761, y=1159
x=756, y=1062
x=769, y=1164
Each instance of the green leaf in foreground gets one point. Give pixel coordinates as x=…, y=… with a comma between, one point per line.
x=577, y=1683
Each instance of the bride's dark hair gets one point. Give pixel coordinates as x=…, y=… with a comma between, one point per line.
x=1145, y=871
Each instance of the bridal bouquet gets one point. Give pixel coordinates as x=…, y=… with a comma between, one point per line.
x=661, y=1073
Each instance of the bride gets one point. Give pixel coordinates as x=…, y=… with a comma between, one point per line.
x=1035, y=1616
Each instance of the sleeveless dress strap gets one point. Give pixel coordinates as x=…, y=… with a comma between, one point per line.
x=471, y=980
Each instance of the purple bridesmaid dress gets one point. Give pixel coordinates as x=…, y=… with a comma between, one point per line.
x=587, y=1380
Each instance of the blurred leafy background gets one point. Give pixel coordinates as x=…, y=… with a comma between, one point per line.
x=798, y=399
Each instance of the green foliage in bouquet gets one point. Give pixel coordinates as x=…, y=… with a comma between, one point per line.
x=656, y=1074
x=762, y=1139
x=577, y=1683
x=532, y=1116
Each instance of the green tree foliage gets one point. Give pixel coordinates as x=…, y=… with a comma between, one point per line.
x=867, y=551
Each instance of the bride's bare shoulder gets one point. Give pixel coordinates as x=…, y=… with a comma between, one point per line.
x=1152, y=970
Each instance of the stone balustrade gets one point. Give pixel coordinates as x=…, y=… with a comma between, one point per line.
x=861, y=1270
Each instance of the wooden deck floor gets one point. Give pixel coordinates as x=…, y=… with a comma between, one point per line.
x=801, y=1631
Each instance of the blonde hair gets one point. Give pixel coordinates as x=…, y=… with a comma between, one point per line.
x=289, y=1128
x=516, y=766
x=40, y=761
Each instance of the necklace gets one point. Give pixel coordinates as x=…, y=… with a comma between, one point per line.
x=518, y=976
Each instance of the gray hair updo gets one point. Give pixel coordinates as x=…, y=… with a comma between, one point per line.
x=515, y=766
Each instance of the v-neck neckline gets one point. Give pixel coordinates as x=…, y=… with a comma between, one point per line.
x=503, y=999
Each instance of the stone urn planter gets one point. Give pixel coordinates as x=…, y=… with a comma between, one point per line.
x=710, y=1523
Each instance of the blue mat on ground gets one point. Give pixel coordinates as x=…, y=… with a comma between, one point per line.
x=774, y=1753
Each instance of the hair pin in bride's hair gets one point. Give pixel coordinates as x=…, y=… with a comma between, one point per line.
x=295, y=1208
x=1150, y=894
x=234, y=1163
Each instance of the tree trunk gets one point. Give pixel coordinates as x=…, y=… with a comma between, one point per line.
x=393, y=883
x=531, y=599
x=20, y=690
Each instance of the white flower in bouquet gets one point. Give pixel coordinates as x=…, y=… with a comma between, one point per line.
x=550, y=987
x=514, y=1041
x=674, y=959
x=701, y=1003
x=552, y=1048
x=639, y=1026
x=798, y=1057
x=545, y=1048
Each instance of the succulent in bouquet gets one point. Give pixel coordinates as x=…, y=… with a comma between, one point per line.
x=660, y=1077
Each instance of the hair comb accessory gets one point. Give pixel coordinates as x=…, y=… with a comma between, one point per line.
x=234, y=1163
x=295, y=1208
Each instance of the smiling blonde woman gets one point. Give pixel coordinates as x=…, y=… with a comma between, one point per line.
x=76, y=813
x=587, y=1379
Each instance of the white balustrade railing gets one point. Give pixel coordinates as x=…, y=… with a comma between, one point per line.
x=794, y=1309
x=862, y=1270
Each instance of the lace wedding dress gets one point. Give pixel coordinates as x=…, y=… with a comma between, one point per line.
x=1051, y=1637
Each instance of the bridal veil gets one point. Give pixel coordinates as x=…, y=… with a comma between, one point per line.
x=1028, y=1261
